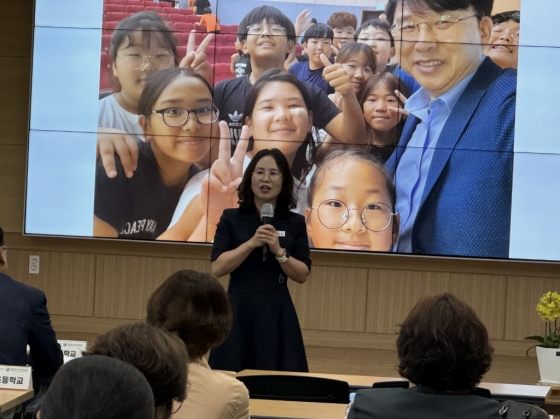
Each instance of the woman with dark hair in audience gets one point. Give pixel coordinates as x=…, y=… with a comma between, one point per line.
x=160, y=356
x=443, y=349
x=194, y=305
x=98, y=387
x=266, y=333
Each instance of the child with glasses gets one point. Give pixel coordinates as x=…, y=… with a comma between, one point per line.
x=141, y=44
x=278, y=110
x=503, y=46
x=350, y=203
x=268, y=36
x=178, y=120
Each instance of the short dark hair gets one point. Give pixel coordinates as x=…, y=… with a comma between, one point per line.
x=342, y=19
x=443, y=344
x=286, y=199
x=307, y=151
x=160, y=356
x=207, y=10
x=157, y=81
x=351, y=49
x=481, y=7
x=319, y=30
x=97, y=387
x=514, y=15
x=194, y=305
x=377, y=24
x=148, y=22
x=269, y=14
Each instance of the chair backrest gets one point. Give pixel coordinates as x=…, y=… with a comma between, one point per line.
x=517, y=410
x=296, y=388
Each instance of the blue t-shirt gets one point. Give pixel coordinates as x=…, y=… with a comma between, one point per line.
x=301, y=71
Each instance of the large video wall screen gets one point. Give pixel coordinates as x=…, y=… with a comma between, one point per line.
x=469, y=167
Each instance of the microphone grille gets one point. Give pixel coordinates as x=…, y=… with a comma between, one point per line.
x=267, y=210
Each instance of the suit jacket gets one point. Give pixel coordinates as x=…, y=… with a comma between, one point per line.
x=24, y=320
x=420, y=403
x=465, y=209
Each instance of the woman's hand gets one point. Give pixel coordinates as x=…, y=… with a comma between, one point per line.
x=267, y=234
x=219, y=187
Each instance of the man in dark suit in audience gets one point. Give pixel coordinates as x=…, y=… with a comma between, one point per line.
x=24, y=320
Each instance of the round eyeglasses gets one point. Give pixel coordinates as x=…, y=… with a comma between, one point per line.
x=500, y=30
x=375, y=216
x=443, y=28
x=272, y=174
x=272, y=29
x=159, y=60
x=176, y=117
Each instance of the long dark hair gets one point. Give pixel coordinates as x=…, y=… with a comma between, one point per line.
x=286, y=199
x=392, y=83
x=307, y=151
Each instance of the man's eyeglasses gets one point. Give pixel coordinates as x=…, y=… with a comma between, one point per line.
x=177, y=117
x=375, y=216
x=159, y=60
x=500, y=30
x=273, y=174
x=443, y=28
x=272, y=29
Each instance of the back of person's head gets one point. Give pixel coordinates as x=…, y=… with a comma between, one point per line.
x=318, y=31
x=342, y=20
x=270, y=15
x=160, y=356
x=420, y=7
x=207, y=10
x=98, y=387
x=443, y=345
x=194, y=305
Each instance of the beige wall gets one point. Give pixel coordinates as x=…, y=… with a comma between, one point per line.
x=350, y=300
x=505, y=5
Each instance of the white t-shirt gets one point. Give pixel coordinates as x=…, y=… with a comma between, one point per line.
x=112, y=115
x=192, y=188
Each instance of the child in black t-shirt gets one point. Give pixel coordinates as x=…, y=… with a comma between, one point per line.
x=179, y=120
x=268, y=36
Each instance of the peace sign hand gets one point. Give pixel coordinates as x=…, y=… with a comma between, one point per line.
x=219, y=187
x=195, y=58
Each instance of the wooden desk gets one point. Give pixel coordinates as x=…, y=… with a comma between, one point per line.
x=9, y=399
x=300, y=410
x=518, y=392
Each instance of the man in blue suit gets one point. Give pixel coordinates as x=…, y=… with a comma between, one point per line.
x=24, y=320
x=453, y=166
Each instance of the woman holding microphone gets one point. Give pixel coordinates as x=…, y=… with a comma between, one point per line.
x=260, y=257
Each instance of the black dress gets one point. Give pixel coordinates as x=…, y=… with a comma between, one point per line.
x=265, y=333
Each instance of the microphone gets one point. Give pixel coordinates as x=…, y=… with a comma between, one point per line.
x=267, y=212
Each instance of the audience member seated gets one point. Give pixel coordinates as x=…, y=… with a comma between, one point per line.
x=443, y=349
x=25, y=320
x=161, y=357
x=504, y=40
x=195, y=306
x=98, y=387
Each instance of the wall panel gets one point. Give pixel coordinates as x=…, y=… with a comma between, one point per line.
x=12, y=186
